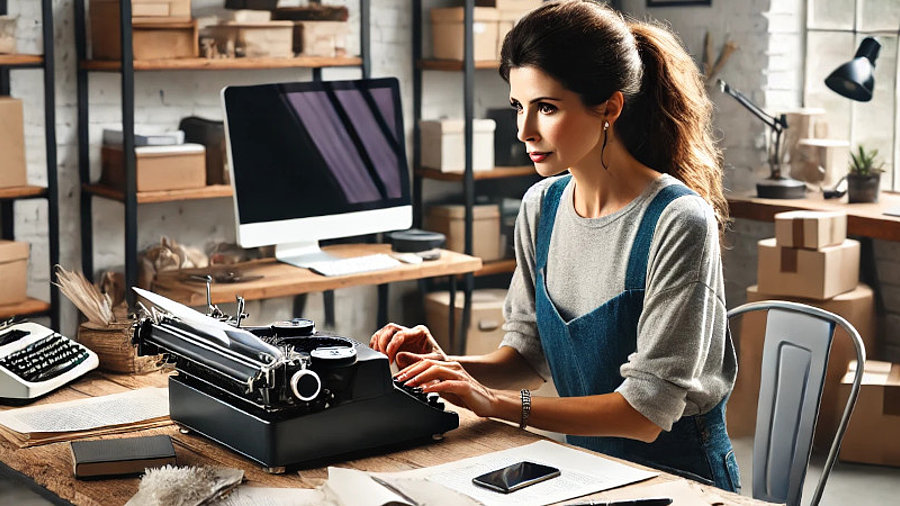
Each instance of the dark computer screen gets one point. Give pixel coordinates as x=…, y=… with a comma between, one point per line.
x=301, y=150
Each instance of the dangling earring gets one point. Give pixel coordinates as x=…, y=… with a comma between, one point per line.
x=603, y=147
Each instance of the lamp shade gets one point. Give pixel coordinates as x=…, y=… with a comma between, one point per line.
x=856, y=78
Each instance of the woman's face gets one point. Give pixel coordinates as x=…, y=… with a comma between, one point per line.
x=559, y=132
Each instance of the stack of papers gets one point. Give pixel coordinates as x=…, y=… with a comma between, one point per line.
x=66, y=421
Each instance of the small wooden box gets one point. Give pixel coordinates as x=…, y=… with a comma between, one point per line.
x=272, y=39
x=321, y=38
x=158, y=168
x=112, y=344
x=152, y=38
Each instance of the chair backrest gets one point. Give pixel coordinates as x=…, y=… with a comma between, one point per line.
x=794, y=362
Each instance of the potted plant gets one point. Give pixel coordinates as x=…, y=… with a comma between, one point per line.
x=864, y=178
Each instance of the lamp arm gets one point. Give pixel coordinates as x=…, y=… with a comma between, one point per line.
x=777, y=124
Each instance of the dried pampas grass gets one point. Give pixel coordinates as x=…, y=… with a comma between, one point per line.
x=96, y=306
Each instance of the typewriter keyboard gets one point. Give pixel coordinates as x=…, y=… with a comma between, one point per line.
x=35, y=360
x=432, y=398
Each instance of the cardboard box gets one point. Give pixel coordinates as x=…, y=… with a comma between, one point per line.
x=273, y=39
x=177, y=167
x=8, y=34
x=485, y=327
x=857, y=307
x=873, y=435
x=514, y=5
x=13, y=170
x=13, y=271
x=812, y=274
x=505, y=22
x=321, y=38
x=810, y=229
x=152, y=38
x=154, y=8
x=444, y=148
x=447, y=33
x=450, y=221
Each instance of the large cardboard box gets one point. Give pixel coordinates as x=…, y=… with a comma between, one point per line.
x=873, y=435
x=177, y=167
x=447, y=33
x=13, y=271
x=812, y=274
x=444, y=149
x=810, y=229
x=321, y=38
x=12, y=143
x=450, y=221
x=856, y=306
x=152, y=38
x=505, y=22
x=485, y=326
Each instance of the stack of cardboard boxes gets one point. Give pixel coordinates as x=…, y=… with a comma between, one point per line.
x=13, y=255
x=493, y=20
x=162, y=29
x=811, y=261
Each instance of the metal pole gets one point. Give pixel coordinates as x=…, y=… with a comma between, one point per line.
x=128, y=152
x=417, y=111
x=364, y=39
x=84, y=161
x=50, y=140
x=468, y=180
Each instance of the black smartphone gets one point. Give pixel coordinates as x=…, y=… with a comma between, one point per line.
x=514, y=477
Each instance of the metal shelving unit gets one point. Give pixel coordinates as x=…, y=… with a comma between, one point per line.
x=127, y=67
x=8, y=196
x=468, y=178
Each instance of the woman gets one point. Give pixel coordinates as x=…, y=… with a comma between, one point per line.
x=618, y=290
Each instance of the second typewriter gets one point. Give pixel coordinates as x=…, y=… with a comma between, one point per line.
x=283, y=394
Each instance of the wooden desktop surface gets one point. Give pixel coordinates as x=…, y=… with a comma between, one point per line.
x=866, y=220
x=281, y=279
x=50, y=466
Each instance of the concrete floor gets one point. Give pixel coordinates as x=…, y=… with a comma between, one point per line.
x=856, y=484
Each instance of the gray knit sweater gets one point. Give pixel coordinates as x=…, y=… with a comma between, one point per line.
x=684, y=363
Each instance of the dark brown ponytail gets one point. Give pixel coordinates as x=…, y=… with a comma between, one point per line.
x=666, y=122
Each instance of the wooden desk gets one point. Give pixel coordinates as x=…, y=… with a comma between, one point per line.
x=865, y=220
x=281, y=279
x=48, y=468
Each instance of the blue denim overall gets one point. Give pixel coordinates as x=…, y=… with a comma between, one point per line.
x=586, y=352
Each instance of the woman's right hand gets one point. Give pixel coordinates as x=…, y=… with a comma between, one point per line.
x=393, y=340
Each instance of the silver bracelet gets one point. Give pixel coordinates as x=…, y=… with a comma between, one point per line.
x=526, y=407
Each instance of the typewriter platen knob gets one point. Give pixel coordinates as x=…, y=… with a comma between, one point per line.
x=306, y=385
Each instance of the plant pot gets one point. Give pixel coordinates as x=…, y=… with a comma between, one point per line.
x=863, y=188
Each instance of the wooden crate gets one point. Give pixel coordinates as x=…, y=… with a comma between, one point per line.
x=152, y=38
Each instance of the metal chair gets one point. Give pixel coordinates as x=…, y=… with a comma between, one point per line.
x=795, y=357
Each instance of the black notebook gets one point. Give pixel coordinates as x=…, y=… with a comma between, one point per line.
x=112, y=457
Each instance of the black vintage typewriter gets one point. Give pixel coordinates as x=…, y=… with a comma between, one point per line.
x=283, y=394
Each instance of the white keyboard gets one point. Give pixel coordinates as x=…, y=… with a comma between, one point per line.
x=354, y=265
x=35, y=360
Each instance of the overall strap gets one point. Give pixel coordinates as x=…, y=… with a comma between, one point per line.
x=636, y=274
x=548, y=217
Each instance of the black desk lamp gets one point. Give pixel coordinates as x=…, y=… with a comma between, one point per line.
x=856, y=78
x=777, y=185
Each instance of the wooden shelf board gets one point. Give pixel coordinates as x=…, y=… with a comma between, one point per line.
x=207, y=192
x=452, y=65
x=497, y=267
x=28, y=307
x=226, y=63
x=18, y=192
x=495, y=173
x=867, y=220
x=13, y=60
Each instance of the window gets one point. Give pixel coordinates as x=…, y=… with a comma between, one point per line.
x=834, y=29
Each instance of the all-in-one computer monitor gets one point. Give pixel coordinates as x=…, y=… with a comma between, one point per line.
x=316, y=160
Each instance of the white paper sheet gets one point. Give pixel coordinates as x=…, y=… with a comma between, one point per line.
x=89, y=413
x=266, y=496
x=581, y=473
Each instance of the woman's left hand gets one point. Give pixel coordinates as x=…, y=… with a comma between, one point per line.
x=452, y=382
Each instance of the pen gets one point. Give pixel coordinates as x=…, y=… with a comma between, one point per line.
x=645, y=501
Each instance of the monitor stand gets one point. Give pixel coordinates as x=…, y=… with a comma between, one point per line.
x=302, y=254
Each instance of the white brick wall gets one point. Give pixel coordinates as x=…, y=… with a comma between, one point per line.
x=766, y=68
